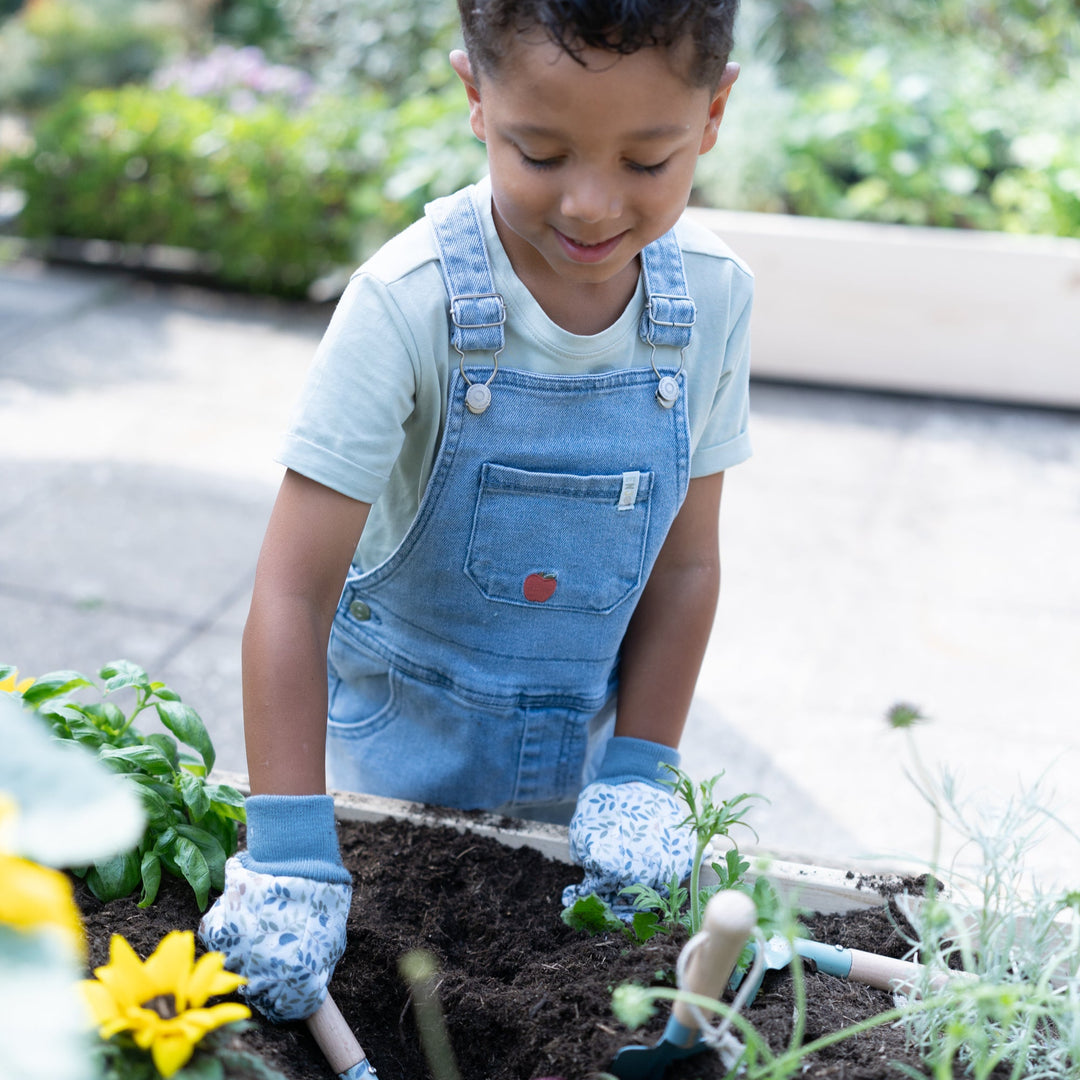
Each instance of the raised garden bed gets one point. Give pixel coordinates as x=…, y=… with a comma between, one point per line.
x=524, y=995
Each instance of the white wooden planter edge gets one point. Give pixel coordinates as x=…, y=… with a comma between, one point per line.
x=817, y=888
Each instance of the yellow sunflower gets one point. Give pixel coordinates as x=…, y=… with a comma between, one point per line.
x=12, y=685
x=34, y=897
x=160, y=1001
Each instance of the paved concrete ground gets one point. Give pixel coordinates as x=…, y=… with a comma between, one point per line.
x=876, y=549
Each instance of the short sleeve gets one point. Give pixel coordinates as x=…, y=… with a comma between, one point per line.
x=347, y=428
x=725, y=435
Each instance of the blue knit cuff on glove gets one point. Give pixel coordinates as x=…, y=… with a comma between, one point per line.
x=627, y=759
x=293, y=836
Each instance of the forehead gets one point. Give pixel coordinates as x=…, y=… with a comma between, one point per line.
x=539, y=84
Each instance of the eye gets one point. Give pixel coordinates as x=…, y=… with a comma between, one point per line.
x=647, y=170
x=538, y=163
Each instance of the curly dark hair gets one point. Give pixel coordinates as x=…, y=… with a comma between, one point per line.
x=617, y=26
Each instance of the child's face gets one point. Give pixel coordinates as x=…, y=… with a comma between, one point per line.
x=588, y=164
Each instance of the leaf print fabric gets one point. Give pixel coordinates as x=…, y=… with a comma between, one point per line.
x=625, y=834
x=285, y=934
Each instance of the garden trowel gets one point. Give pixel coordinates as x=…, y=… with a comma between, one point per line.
x=729, y=920
x=873, y=969
x=337, y=1042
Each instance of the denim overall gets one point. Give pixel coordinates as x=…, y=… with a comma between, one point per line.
x=476, y=667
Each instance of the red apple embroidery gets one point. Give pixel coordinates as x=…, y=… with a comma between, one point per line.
x=539, y=587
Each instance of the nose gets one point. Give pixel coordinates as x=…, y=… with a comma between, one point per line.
x=591, y=197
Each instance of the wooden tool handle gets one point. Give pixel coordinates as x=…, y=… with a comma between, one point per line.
x=729, y=920
x=334, y=1036
x=886, y=973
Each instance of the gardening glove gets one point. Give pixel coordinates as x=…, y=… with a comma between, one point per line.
x=628, y=826
x=281, y=920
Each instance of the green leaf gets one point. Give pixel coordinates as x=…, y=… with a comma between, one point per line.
x=104, y=715
x=227, y=800
x=53, y=685
x=591, y=914
x=147, y=758
x=186, y=724
x=150, y=872
x=646, y=924
x=162, y=691
x=203, y=1067
x=123, y=673
x=211, y=849
x=193, y=792
x=114, y=878
x=223, y=829
x=158, y=810
x=167, y=745
x=192, y=865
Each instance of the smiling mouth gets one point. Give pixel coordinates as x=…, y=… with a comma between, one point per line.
x=588, y=253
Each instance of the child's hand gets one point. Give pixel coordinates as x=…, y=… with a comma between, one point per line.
x=628, y=827
x=281, y=920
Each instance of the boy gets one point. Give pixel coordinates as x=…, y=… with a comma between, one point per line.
x=511, y=449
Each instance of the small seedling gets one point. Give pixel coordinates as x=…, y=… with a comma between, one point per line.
x=675, y=906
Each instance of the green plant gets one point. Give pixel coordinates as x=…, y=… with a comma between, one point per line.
x=51, y=46
x=276, y=199
x=665, y=910
x=925, y=137
x=1022, y=940
x=1018, y=1019
x=398, y=47
x=191, y=823
x=708, y=820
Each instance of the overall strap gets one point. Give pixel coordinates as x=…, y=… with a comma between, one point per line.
x=477, y=311
x=668, y=318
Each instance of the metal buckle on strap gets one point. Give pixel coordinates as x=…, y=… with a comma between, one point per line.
x=675, y=305
x=472, y=301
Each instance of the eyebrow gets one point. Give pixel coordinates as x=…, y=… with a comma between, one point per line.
x=661, y=131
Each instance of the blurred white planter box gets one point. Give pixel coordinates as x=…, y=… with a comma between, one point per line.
x=893, y=307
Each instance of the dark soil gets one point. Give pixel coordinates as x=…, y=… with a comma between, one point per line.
x=523, y=995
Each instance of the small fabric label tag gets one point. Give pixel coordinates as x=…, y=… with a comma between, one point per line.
x=628, y=495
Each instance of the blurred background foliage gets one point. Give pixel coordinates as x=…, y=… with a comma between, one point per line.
x=285, y=139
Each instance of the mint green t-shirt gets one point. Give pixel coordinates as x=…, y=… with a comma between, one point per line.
x=371, y=413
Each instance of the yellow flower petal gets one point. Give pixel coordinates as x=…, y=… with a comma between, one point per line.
x=124, y=975
x=227, y=1012
x=12, y=685
x=101, y=1003
x=172, y=1052
x=34, y=897
x=129, y=993
x=209, y=979
x=168, y=968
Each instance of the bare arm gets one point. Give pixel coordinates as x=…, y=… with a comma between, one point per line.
x=309, y=543
x=666, y=639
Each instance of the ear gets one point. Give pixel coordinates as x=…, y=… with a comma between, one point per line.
x=459, y=61
x=716, y=107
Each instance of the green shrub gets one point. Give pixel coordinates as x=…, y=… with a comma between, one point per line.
x=929, y=139
x=1036, y=38
x=269, y=194
x=396, y=46
x=54, y=45
x=278, y=199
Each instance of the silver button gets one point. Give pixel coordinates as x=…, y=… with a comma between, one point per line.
x=477, y=398
x=359, y=610
x=667, y=391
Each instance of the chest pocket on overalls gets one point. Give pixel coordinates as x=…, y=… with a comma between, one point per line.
x=558, y=541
